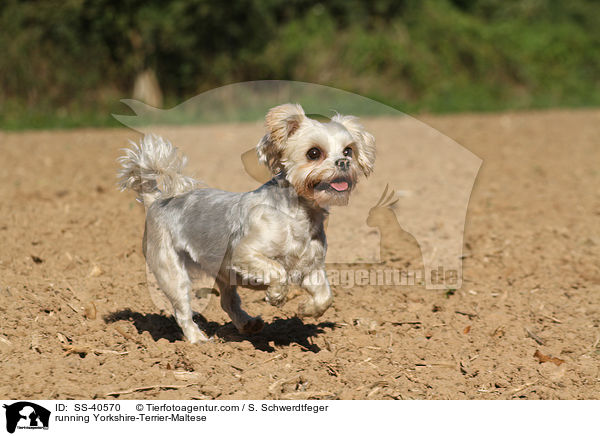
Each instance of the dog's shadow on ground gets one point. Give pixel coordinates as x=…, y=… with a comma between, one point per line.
x=279, y=332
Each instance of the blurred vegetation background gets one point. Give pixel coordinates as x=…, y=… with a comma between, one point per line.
x=68, y=62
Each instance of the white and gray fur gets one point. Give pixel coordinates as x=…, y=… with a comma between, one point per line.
x=270, y=237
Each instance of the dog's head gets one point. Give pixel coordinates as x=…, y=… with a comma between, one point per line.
x=322, y=161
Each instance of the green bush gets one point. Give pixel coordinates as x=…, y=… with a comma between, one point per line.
x=67, y=62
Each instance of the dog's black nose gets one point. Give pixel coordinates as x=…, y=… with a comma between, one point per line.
x=342, y=163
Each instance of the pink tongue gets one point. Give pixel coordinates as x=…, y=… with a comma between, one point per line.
x=339, y=186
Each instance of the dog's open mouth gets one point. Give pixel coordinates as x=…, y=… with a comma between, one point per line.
x=341, y=185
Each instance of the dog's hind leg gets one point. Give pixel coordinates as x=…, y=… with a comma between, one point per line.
x=232, y=305
x=172, y=277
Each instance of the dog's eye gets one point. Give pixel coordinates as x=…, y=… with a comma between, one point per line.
x=314, y=153
x=348, y=152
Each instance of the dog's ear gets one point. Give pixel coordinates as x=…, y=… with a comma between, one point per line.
x=281, y=122
x=365, y=142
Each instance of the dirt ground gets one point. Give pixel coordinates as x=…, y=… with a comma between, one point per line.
x=77, y=322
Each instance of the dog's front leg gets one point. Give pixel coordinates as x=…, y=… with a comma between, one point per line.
x=257, y=269
x=321, y=297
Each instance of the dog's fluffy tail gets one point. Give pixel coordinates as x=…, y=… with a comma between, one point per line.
x=153, y=169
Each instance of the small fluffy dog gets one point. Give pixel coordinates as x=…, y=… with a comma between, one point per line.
x=269, y=237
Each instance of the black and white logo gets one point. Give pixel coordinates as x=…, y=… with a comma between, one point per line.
x=26, y=415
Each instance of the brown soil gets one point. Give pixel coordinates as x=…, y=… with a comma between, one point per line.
x=76, y=319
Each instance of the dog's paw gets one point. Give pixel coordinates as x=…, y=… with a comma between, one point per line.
x=196, y=335
x=276, y=294
x=308, y=309
x=252, y=326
